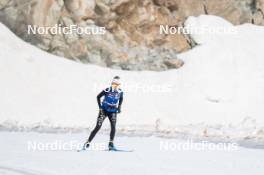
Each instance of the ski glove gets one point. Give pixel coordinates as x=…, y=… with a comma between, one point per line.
x=119, y=110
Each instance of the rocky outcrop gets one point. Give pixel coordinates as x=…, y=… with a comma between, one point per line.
x=258, y=14
x=132, y=38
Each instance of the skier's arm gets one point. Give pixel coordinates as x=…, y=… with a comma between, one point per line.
x=120, y=102
x=99, y=96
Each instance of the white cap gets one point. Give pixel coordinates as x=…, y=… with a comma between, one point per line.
x=116, y=80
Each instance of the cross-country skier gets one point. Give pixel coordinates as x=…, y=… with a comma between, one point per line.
x=108, y=107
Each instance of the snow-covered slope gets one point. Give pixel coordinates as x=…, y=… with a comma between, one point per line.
x=221, y=84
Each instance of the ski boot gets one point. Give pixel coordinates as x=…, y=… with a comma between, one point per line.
x=111, y=146
x=86, y=146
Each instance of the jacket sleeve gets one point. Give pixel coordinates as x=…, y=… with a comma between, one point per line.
x=120, y=101
x=99, y=96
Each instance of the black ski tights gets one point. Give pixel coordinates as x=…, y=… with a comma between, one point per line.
x=102, y=115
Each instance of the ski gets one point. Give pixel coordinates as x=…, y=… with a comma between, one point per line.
x=119, y=150
x=80, y=150
x=110, y=148
x=113, y=150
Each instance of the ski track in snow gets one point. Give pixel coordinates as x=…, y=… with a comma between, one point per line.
x=15, y=171
x=147, y=158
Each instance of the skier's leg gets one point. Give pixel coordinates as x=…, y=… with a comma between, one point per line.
x=112, y=119
x=99, y=123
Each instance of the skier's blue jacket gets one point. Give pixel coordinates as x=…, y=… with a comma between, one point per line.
x=112, y=99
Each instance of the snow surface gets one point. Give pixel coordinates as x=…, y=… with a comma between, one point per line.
x=147, y=158
x=220, y=87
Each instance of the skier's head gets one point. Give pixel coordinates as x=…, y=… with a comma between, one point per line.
x=115, y=82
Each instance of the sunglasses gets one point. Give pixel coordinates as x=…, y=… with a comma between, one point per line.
x=115, y=84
